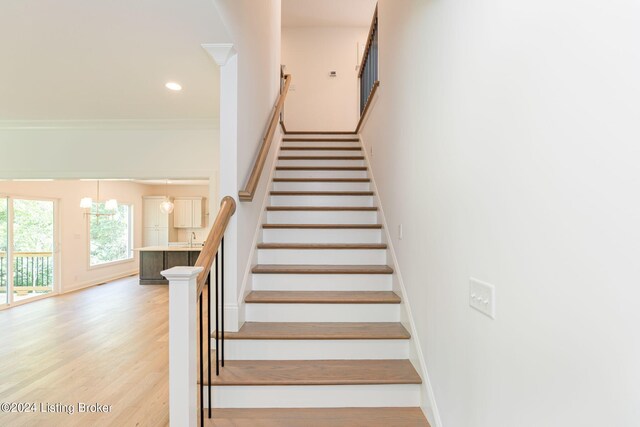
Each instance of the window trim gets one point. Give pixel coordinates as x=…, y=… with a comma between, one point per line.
x=131, y=256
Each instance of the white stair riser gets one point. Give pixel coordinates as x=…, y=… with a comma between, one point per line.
x=325, y=396
x=323, y=256
x=321, y=186
x=322, y=312
x=321, y=153
x=320, y=144
x=334, y=235
x=322, y=217
x=322, y=282
x=321, y=135
x=314, y=349
x=322, y=201
x=321, y=174
x=315, y=162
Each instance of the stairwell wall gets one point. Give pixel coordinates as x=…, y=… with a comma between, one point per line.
x=254, y=28
x=504, y=140
x=321, y=102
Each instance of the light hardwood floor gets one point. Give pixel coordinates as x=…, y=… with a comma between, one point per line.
x=106, y=344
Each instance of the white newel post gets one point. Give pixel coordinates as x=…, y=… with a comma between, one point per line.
x=183, y=354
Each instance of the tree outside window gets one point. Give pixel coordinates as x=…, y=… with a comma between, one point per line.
x=110, y=235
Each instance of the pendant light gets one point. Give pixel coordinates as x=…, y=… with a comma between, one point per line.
x=87, y=204
x=111, y=205
x=166, y=206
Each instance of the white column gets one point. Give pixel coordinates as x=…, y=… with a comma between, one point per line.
x=225, y=55
x=183, y=340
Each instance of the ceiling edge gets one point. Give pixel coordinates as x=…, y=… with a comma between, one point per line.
x=127, y=124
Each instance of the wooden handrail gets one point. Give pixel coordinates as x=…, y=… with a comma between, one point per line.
x=252, y=183
x=368, y=104
x=210, y=249
x=28, y=254
x=369, y=41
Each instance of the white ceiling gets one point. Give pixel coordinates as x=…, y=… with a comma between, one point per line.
x=107, y=59
x=327, y=13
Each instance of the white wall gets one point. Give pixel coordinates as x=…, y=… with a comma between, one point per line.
x=317, y=101
x=250, y=83
x=505, y=140
x=73, y=237
x=109, y=149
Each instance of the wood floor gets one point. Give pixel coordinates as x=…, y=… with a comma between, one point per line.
x=109, y=345
x=106, y=344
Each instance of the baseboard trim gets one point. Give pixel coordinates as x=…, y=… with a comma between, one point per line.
x=428, y=404
x=102, y=280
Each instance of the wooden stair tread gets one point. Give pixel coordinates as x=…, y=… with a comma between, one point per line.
x=322, y=193
x=321, y=168
x=321, y=179
x=323, y=226
x=323, y=208
x=315, y=372
x=322, y=297
x=292, y=139
x=318, y=148
x=313, y=246
x=319, y=331
x=325, y=417
x=320, y=269
x=320, y=157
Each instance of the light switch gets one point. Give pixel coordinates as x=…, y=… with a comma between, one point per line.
x=482, y=297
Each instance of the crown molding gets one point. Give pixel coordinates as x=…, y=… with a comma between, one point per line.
x=220, y=52
x=127, y=124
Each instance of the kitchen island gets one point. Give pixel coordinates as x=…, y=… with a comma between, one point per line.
x=155, y=259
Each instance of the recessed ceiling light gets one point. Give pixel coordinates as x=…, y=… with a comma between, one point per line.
x=173, y=86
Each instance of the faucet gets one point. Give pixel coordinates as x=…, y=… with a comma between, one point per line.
x=192, y=238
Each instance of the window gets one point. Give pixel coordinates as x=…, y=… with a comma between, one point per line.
x=110, y=235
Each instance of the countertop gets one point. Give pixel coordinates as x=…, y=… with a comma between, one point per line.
x=169, y=248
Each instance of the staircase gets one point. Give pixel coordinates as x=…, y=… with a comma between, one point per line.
x=322, y=326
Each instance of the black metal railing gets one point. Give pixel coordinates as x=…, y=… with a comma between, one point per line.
x=4, y=273
x=218, y=292
x=32, y=271
x=368, y=73
x=212, y=257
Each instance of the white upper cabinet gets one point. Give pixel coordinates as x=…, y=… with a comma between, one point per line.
x=188, y=212
x=153, y=216
x=155, y=223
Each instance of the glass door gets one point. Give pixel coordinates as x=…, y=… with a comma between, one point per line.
x=4, y=251
x=32, y=251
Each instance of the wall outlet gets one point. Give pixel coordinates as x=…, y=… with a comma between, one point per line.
x=482, y=297
x=292, y=88
x=400, y=234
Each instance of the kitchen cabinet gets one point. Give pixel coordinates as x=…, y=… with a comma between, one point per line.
x=155, y=223
x=188, y=212
x=153, y=260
